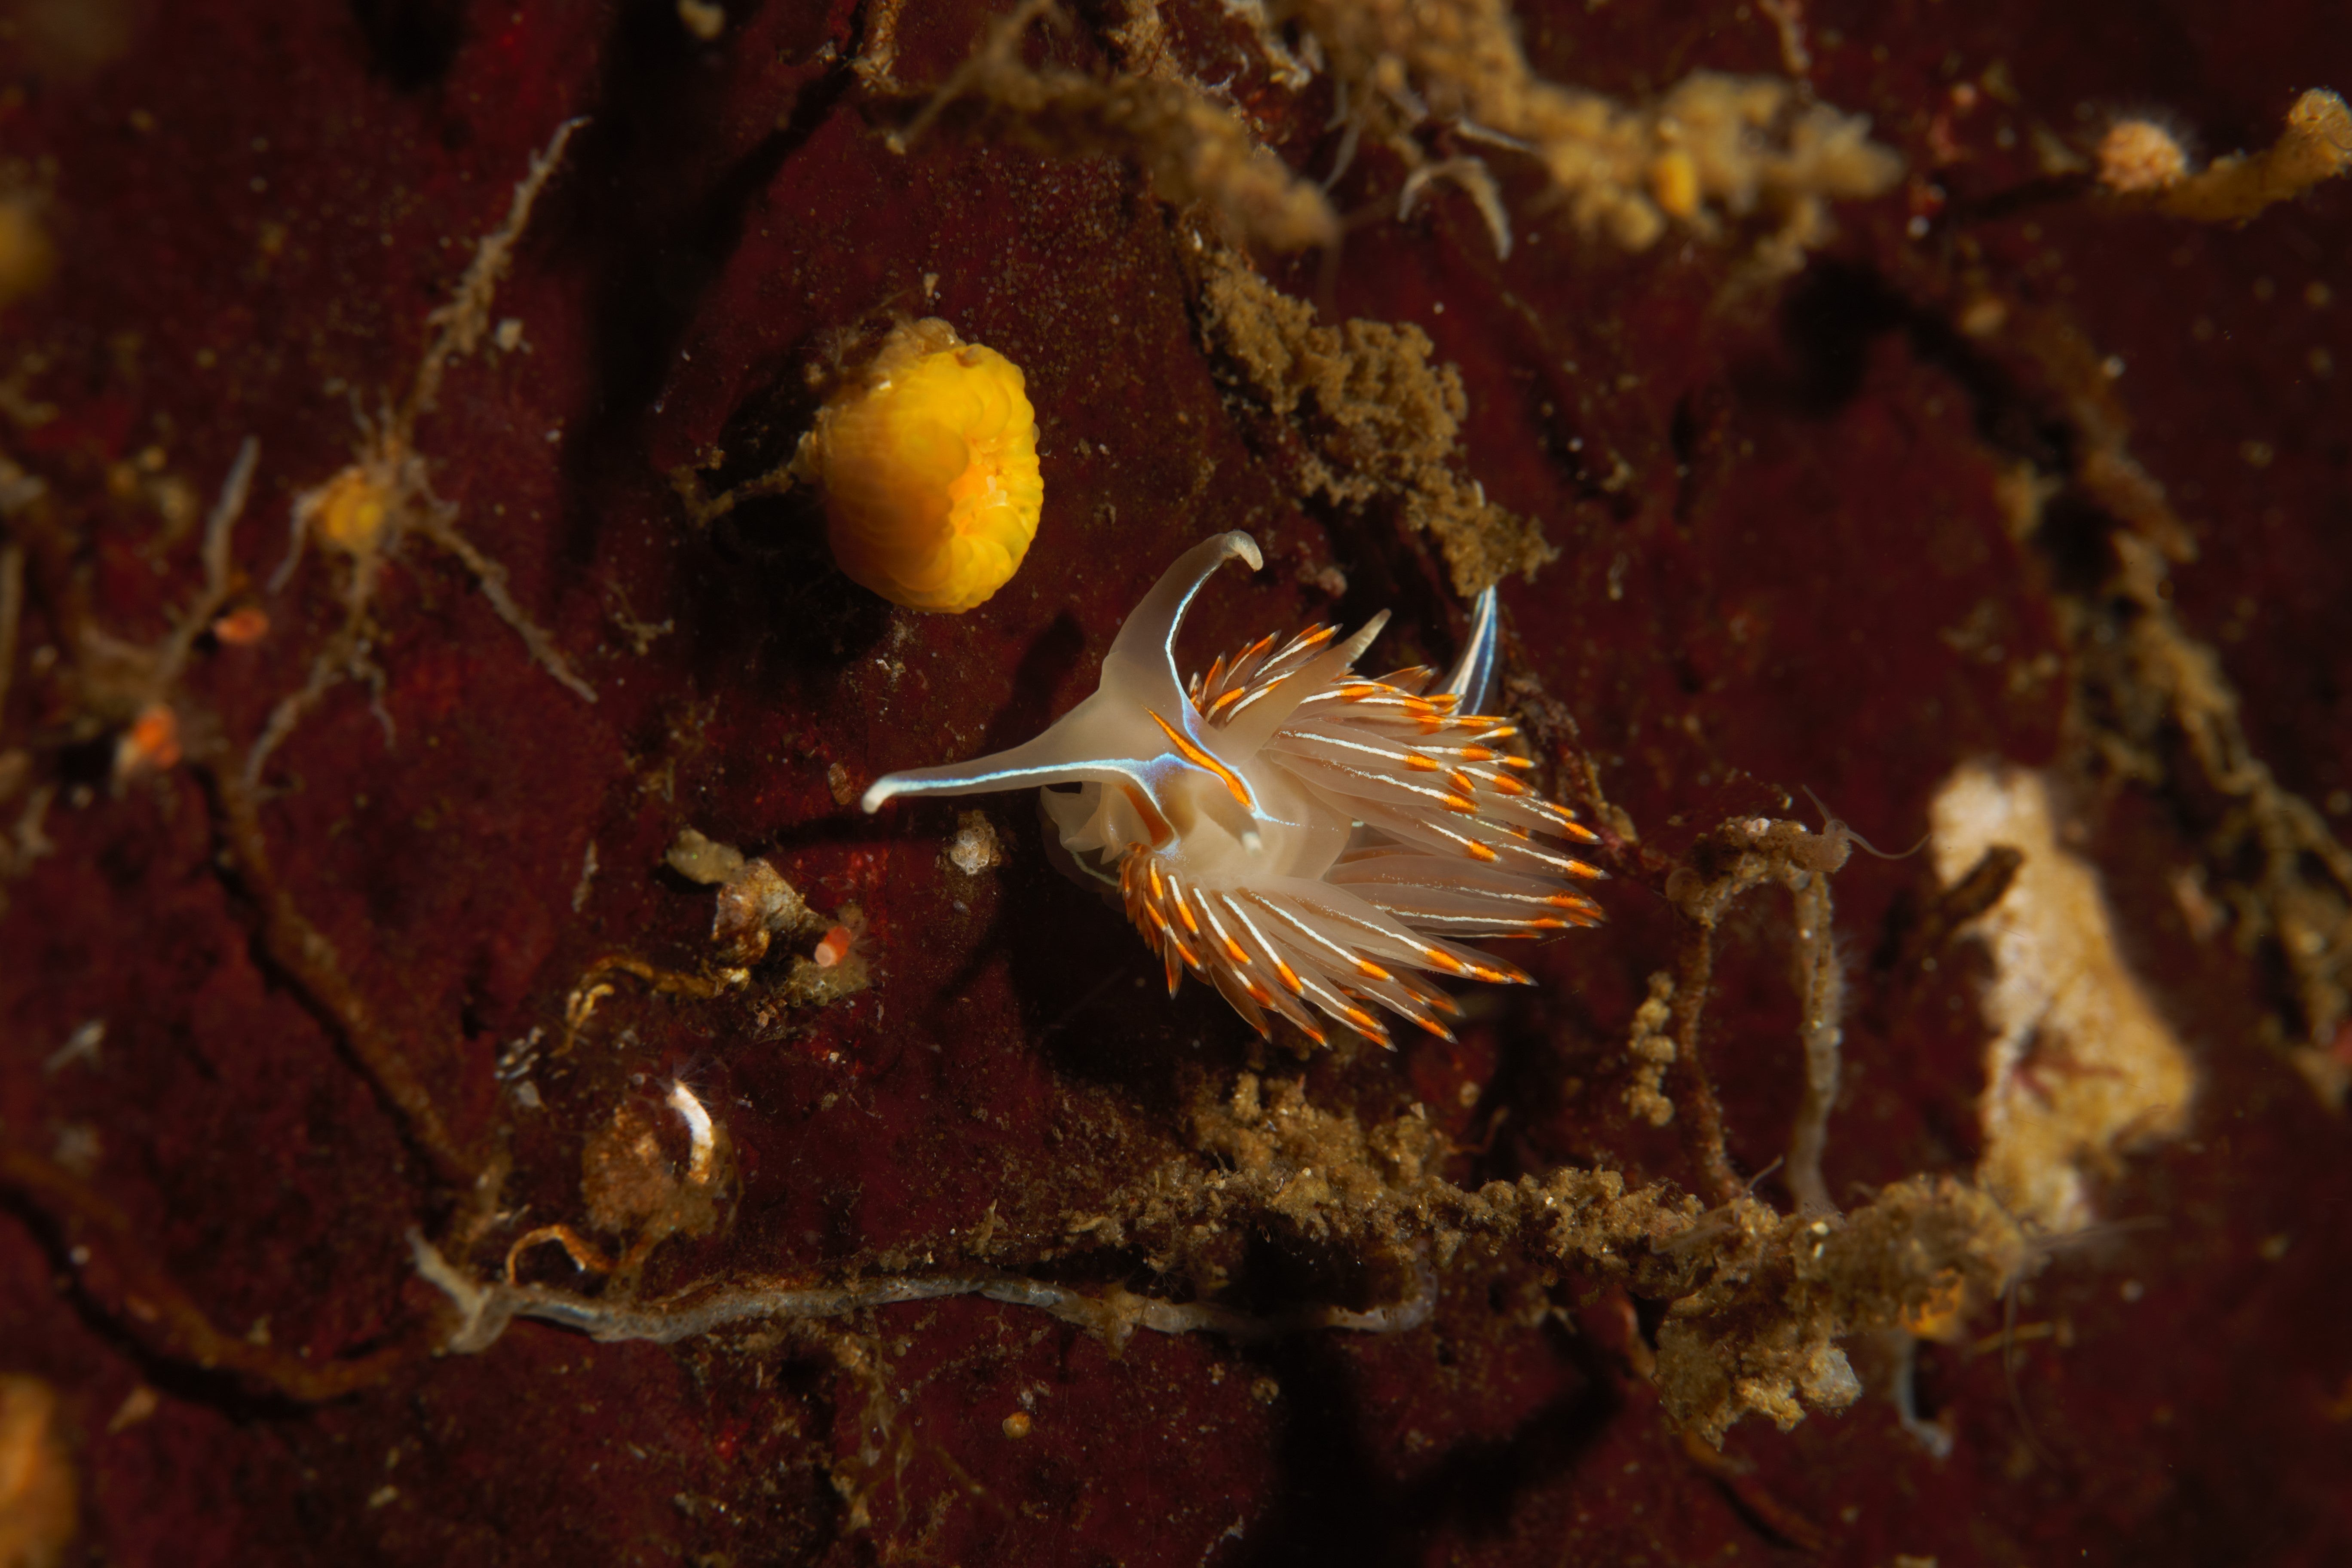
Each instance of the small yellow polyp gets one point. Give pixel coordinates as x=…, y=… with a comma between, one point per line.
x=929, y=465
x=350, y=510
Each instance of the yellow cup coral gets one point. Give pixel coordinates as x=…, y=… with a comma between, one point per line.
x=929, y=465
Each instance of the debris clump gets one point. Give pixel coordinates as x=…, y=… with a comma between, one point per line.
x=755, y=904
x=1762, y=1334
x=2141, y=159
x=1716, y=152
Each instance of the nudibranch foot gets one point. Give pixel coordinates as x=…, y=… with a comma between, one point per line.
x=1314, y=844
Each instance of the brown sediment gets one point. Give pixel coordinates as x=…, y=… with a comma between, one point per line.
x=1377, y=421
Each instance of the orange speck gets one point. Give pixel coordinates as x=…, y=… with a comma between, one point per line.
x=1289, y=977
x=151, y=742
x=243, y=627
x=1480, y=852
x=1420, y=763
x=1233, y=951
x=1371, y=970
x=833, y=949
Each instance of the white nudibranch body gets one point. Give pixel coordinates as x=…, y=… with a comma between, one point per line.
x=1299, y=837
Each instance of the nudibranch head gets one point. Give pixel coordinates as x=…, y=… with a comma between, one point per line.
x=1301, y=838
x=929, y=460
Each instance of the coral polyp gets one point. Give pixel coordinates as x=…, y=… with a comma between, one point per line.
x=1295, y=835
x=929, y=460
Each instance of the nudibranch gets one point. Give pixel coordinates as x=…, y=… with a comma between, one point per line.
x=1298, y=836
x=929, y=460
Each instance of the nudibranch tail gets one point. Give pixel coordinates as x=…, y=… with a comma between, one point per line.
x=1471, y=680
x=1314, y=844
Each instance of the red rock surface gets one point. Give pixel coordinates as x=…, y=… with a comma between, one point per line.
x=256, y=209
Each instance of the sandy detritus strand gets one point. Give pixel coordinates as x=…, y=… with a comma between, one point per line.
x=1757, y=1301
x=1740, y=855
x=1376, y=421
x=1194, y=150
